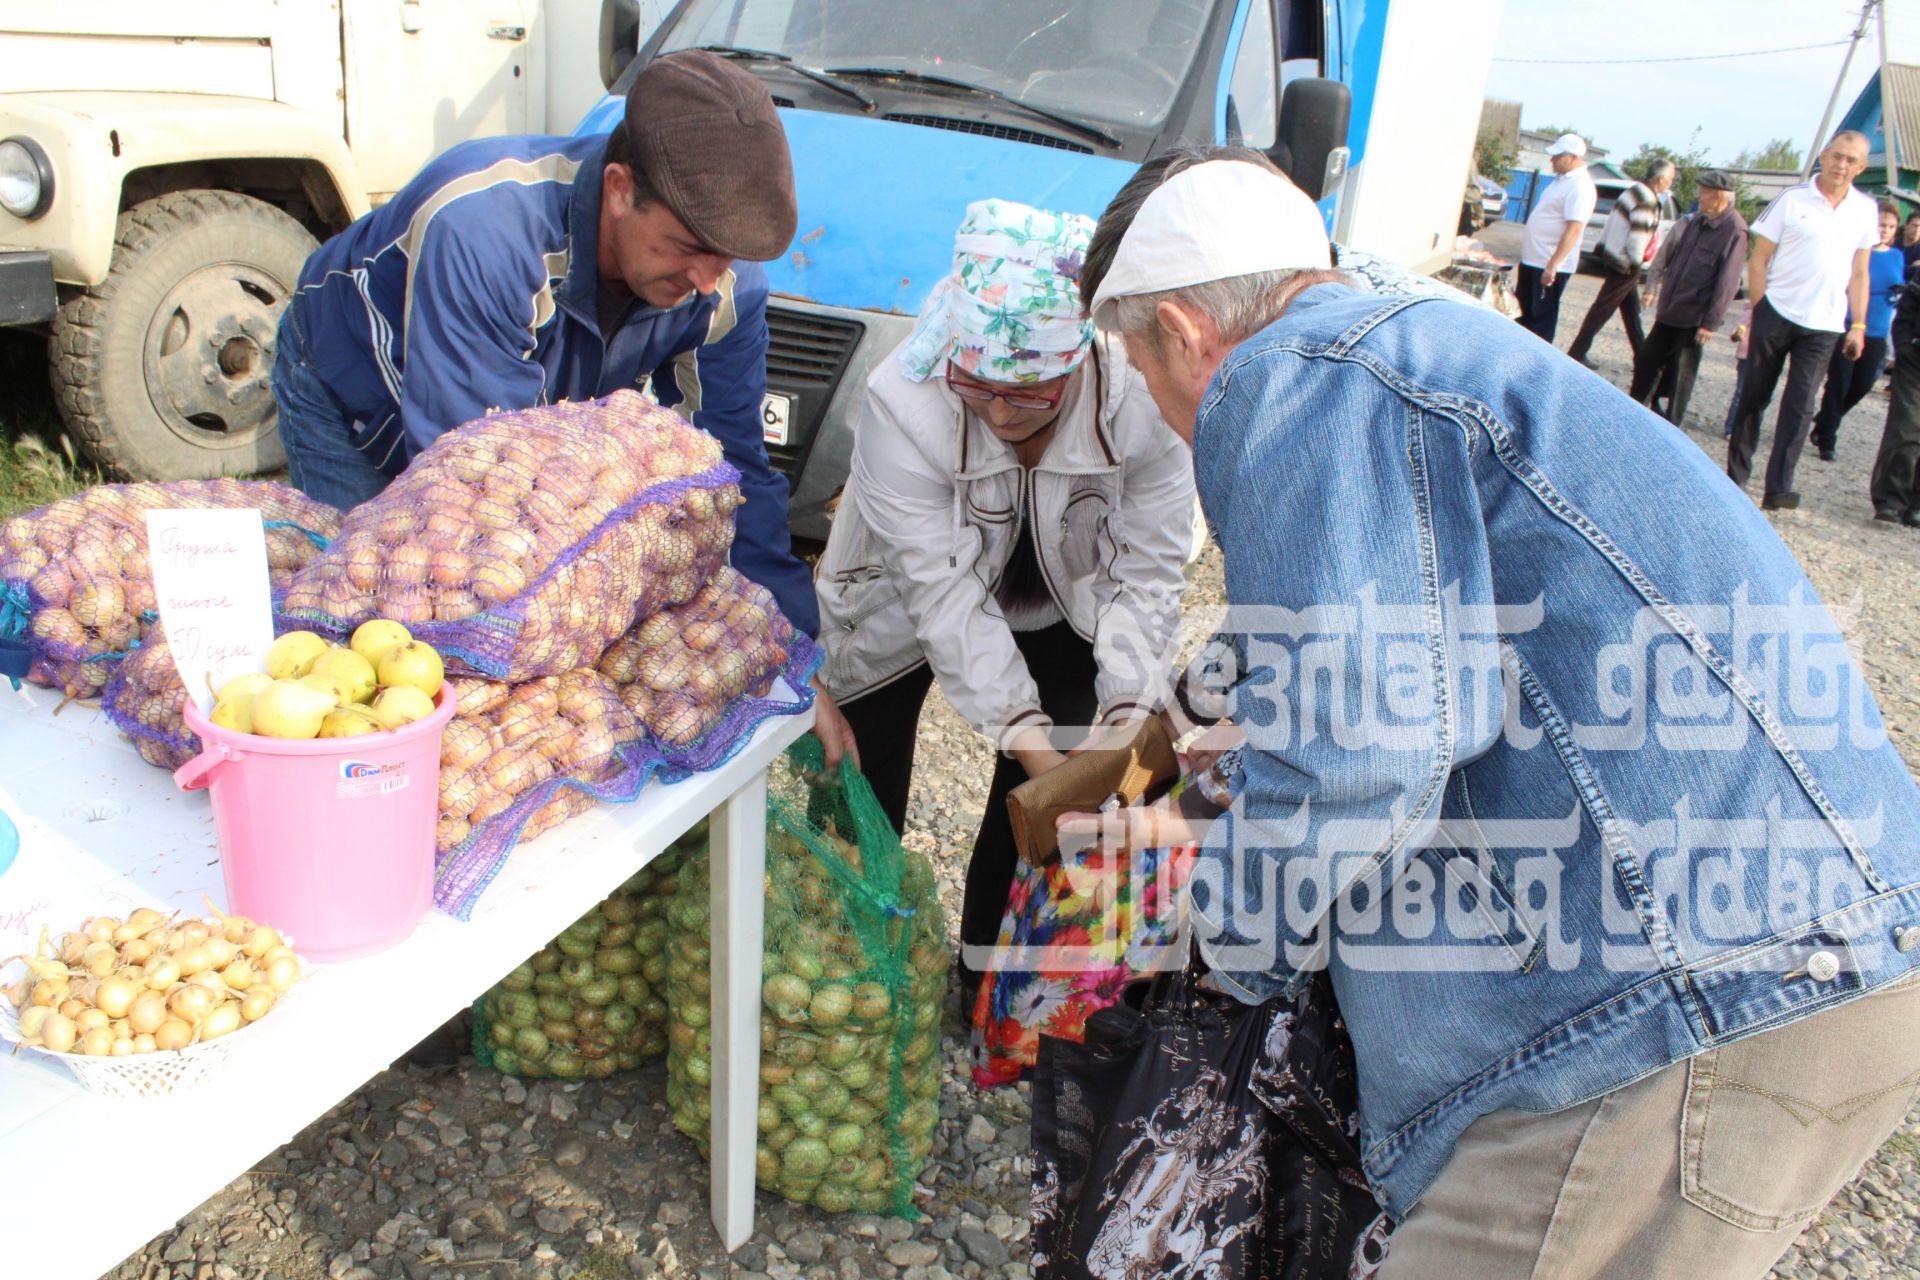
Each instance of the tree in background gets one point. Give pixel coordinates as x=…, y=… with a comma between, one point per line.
x=1492, y=158
x=1688, y=165
x=1778, y=154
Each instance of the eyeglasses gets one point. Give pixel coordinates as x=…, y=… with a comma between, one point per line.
x=1024, y=399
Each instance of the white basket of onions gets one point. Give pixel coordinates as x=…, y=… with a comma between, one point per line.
x=149, y=1005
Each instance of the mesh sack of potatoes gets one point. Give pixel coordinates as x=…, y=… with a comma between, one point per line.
x=855, y=970
x=524, y=543
x=684, y=670
x=520, y=759
x=76, y=583
x=589, y=1003
x=144, y=699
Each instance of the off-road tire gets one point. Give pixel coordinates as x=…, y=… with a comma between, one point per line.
x=127, y=354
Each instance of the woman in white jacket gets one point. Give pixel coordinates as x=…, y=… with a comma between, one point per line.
x=1014, y=526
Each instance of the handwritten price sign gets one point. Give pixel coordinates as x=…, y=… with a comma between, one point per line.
x=210, y=579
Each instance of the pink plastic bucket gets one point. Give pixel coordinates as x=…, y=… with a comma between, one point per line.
x=329, y=840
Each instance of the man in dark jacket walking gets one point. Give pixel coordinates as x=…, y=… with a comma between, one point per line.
x=1694, y=279
x=1627, y=241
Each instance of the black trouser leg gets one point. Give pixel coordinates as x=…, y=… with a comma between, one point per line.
x=1812, y=349
x=1895, y=486
x=1848, y=382
x=1768, y=343
x=1630, y=314
x=1651, y=360
x=1615, y=288
x=886, y=725
x=1526, y=289
x=1062, y=665
x=1686, y=368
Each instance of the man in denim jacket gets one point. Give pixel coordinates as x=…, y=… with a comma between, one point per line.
x=1562, y=768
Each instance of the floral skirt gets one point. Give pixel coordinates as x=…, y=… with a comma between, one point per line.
x=1074, y=934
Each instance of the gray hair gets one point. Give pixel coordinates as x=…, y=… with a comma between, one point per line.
x=1238, y=306
x=1657, y=170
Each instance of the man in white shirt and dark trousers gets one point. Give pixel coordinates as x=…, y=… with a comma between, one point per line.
x=1550, y=248
x=1808, y=271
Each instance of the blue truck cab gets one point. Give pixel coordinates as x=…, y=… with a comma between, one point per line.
x=901, y=112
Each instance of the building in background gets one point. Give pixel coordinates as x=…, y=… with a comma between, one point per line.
x=1901, y=81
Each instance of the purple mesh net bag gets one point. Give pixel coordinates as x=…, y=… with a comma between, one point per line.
x=681, y=670
x=74, y=578
x=144, y=698
x=523, y=544
x=567, y=721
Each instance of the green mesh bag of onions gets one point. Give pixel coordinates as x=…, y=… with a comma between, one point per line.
x=855, y=968
x=589, y=1004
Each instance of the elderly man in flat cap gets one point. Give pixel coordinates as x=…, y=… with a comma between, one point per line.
x=1554, y=759
x=522, y=270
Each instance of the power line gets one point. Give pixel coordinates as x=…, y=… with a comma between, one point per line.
x=1698, y=57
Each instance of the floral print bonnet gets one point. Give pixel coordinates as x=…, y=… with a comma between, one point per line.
x=1010, y=311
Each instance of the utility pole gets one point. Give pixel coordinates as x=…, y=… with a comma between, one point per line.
x=1889, y=118
x=1820, y=136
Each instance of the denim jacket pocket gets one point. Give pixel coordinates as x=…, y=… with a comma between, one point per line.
x=1773, y=1125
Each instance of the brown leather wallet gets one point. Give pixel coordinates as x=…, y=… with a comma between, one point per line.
x=1137, y=768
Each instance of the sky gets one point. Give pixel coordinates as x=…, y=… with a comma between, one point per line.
x=1736, y=102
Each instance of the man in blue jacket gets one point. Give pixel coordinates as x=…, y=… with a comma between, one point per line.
x=524, y=270
x=1561, y=769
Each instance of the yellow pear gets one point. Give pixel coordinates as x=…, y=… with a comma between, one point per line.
x=234, y=714
x=332, y=685
x=415, y=665
x=374, y=640
x=350, y=668
x=349, y=722
x=243, y=686
x=401, y=704
x=291, y=709
x=293, y=655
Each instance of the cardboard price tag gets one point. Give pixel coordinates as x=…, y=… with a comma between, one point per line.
x=210, y=579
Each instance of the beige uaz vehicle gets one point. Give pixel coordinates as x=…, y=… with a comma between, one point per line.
x=166, y=166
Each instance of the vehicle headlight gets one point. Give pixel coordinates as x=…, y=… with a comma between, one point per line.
x=26, y=178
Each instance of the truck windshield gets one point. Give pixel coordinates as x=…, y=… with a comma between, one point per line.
x=1119, y=61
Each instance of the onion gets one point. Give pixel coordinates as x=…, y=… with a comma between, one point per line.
x=193, y=933
x=261, y=941
x=145, y=918
x=222, y=1021
x=97, y=1043
x=283, y=973
x=162, y=973
x=101, y=928
x=257, y=1003
x=221, y=951
x=58, y=1033
x=238, y=975
x=33, y=1019
x=144, y=1044
x=50, y=991
x=101, y=959
x=123, y=1048
x=190, y=1002
x=115, y=996
x=72, y=1006
x=90, y=1019
x=172, y=1034
x=193, y=959
x=147, y=1012
x=139, y=951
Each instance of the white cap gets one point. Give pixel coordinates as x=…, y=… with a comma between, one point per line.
x=1568, y=144
x=1216, y=220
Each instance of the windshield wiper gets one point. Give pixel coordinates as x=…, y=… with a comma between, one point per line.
x=1081, y=127
x=811, y=73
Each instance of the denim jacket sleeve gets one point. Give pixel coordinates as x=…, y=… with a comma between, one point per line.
x=1342, y=626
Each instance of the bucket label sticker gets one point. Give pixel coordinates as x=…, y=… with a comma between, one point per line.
x=360, y=778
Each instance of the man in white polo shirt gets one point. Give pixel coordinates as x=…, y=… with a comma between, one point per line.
x=1807, y=273
x=1550, y=249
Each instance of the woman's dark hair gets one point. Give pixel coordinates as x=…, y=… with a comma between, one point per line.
x=1120, y=212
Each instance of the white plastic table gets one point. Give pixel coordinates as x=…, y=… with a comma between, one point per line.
x=102, y=832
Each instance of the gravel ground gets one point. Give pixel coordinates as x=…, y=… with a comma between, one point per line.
x=458, y=1172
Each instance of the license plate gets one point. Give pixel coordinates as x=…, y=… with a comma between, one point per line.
x=776, y=418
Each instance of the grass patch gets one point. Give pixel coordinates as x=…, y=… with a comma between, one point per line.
x=38, y=462
x=603, y=1262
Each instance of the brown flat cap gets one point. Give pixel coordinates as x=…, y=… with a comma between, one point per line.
x=707, y=137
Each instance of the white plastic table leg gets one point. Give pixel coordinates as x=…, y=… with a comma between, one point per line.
x=739, y=843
